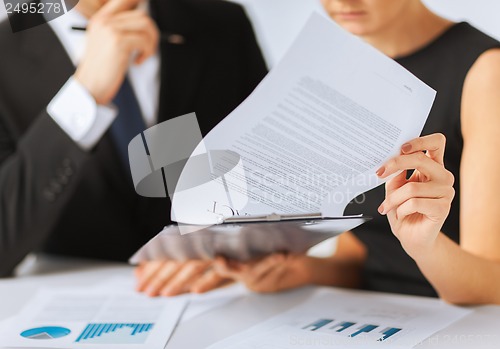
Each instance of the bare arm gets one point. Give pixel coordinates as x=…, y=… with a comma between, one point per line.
x=469, y=273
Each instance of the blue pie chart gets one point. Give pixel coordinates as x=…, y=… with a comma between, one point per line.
x=42, y=333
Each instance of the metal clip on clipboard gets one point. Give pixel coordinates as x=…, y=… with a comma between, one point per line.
x=273, y=217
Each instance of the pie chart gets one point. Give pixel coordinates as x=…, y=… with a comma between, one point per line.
x=45, y=333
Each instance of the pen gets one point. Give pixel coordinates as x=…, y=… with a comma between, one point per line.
x=175, y=39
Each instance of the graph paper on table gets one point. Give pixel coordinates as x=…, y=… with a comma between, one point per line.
x=101, y=318
x=338, y=318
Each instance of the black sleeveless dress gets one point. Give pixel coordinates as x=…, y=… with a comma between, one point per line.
x=443, y=64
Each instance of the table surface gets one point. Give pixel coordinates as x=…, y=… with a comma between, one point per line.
x=480, y=330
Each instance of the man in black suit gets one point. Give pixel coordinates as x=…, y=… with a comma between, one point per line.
x=63, y=188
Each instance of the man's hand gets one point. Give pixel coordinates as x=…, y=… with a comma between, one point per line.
x=170, y=278
x=116, y=34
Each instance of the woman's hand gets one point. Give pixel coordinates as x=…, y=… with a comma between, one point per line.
x=170, y=278
x=274, y=273
x=417, y=207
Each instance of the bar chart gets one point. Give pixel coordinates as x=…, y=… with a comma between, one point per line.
x=352, y=329
x=115, y=333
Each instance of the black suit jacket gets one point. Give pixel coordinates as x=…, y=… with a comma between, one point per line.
x=55, y=196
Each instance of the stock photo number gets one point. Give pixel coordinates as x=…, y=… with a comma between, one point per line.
x=41, y=7
x=26, y=14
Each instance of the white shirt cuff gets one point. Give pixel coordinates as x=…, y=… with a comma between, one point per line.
x=76, y=112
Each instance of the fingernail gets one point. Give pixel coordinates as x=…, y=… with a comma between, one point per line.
x=381, y=209
x=380, y=171
x=406, y=147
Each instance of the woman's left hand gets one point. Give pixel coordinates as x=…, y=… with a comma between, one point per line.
x=417, y=207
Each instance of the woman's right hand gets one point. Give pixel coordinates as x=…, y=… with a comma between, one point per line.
x=171, y=278
x=274, y=273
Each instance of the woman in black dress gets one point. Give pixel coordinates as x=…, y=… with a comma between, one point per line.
x=420, y=241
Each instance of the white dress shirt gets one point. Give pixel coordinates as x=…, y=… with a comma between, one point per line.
x=75, y=110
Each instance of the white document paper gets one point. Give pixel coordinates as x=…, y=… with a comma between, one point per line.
x=93, y=319
x=202, y=303
x=348, y=319
x=198, y=304
x=311, y=135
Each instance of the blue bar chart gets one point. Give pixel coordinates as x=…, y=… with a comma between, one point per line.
x=388, y=332
x=115, y=333
x=351, y=329
x=342, y=326
x=363, y=329
x=316, y=325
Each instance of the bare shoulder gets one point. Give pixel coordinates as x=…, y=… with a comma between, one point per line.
x=486, y=66
x=480, y=100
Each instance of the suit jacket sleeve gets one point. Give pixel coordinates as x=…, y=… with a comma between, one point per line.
x=37, y=175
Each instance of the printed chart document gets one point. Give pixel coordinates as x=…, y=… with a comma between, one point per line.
x=93, y=319
x=349, y=319
x=290, y=158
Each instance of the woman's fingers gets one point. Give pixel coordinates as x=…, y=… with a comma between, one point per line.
x=208, y=281
x=147, y=272
x=418, y=206
x=435, y=210
x=434, y=144
x=259, y=270
x=170, y=278
x=415, y=190
x=395, y=183
x=228, y=269
x=139, y=270
x=426, y=166
x=182, y=280
x=270, y=281
x=251, y=273
x=160, y=278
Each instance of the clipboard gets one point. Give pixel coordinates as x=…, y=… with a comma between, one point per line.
x=246, y=238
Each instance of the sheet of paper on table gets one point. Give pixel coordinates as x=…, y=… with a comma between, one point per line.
x=334, y=318
x=97, y=319
x=197, y=303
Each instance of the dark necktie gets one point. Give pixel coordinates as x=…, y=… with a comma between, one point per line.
x=128, y=123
